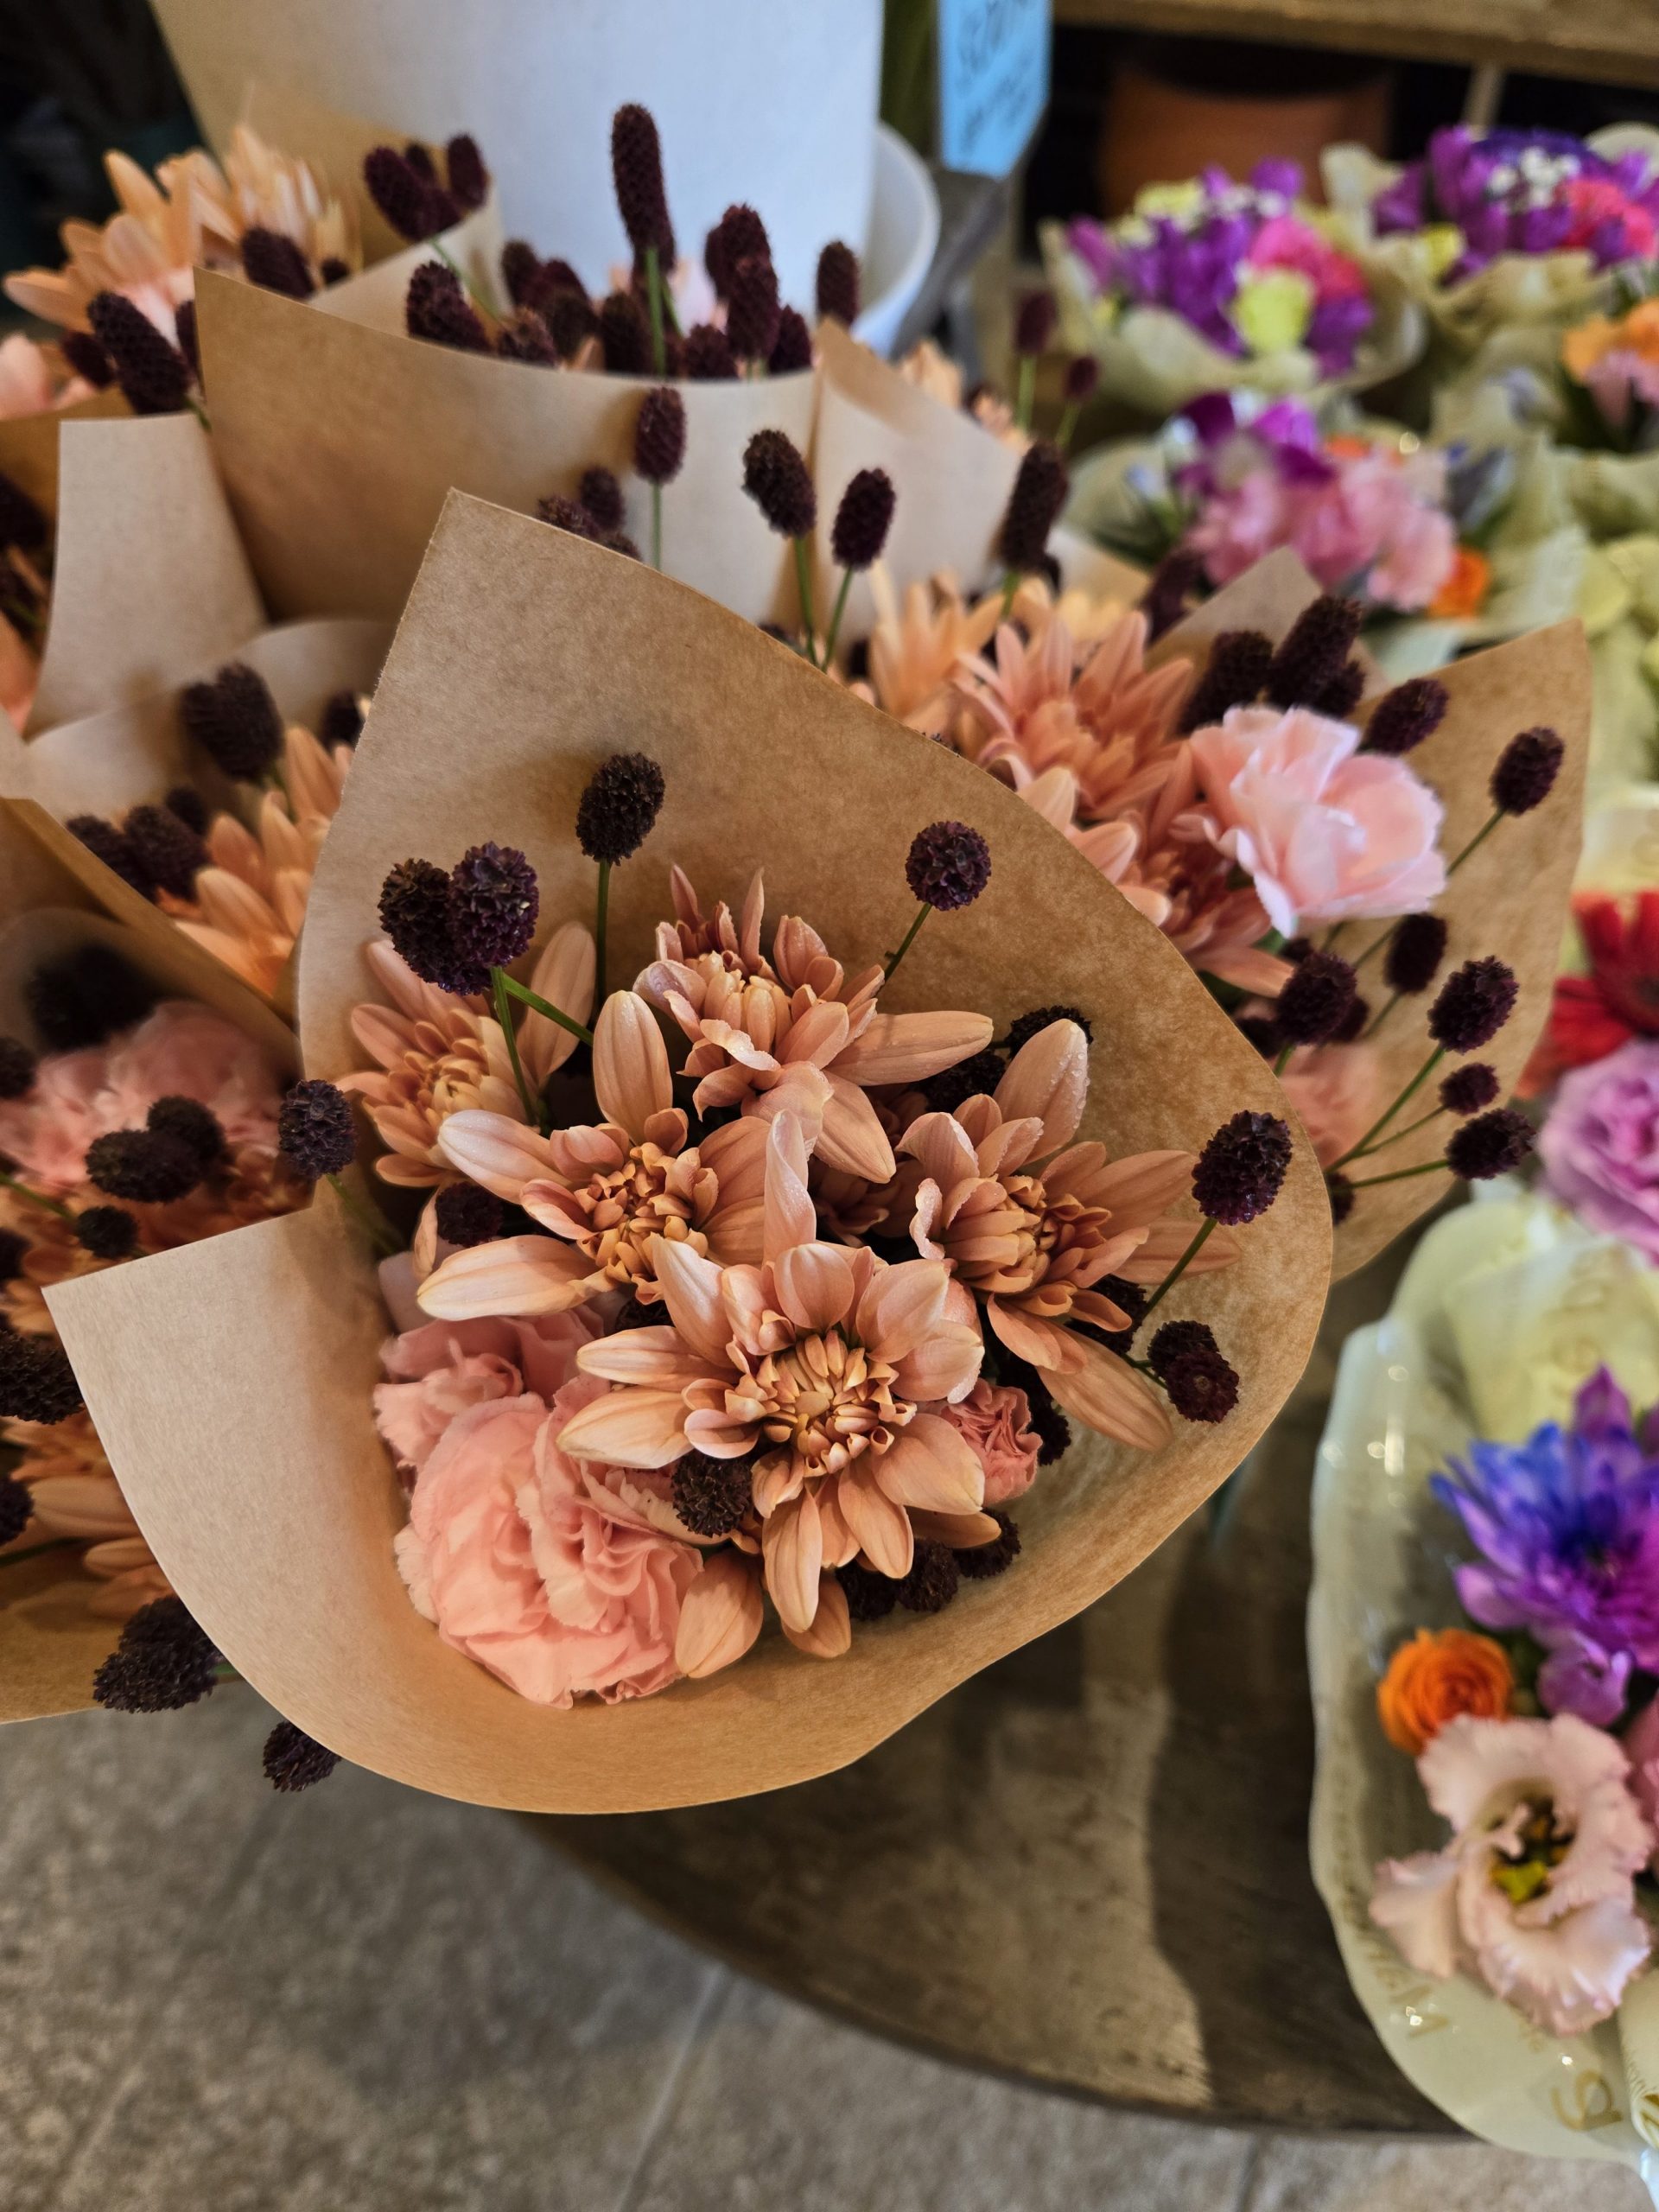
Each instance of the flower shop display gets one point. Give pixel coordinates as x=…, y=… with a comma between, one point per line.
x=817, y=1026
x=1213, y=284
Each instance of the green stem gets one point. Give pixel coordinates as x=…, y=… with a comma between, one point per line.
x=1178, y=1270
x=654, y=298
x=804, y=581
x=1010, y=585
x=922, y=913
x=1400, y=1174
x=1283, y=1060
x=835, y=620
x=35, y=1551
x=1376, y=945
x=537, y=1004
x=656, y=525
x=198, y=411
x=37, y=1198
x=1382, y=1120
x=1067, y=429
x=379, y=1229
x=477, y=298
x=504, y=1018
x=1378, y=1019
x=1028, y=391
x=601, y=916
x=1421, y=1122
x=1480, y=838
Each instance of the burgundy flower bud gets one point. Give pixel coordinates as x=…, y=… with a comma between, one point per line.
x=84, y=997
x=619, y=807
x=419, y=157
x=1491, y=1144
x=36, y=1381
x=17, y=1068
x=341, y=720
x=234, y=719
x=493, y=902
x=112, y=846
x=469, y=181
x=315, y=1134
x=984, y=1560
x=568, y=514
x=712, y=1497
x=1082, y=378
x=468, y=1214
x=330, y=269
x=932, y=1581
x=637, y=174
x=437, y=310
x=863, y=520
x=792, y=351
x=659, y=436
x=555, y=276
x=1342, y=694
x=521, y=268
x=409, y=200
x=1172, y=583
x=708, y=355
x=16, y=1508
x=153, y=374
x=1473, y=1004
x=1340, y=1195
x=145, y=1168
x=1526, y=771
x=570, y=321
x=187, y=802
x=1470, y=1088
x=738, y=234
x=1033, y=323
x=274, y=261
x=87, y=358
x=838, y=283
x=184, y=324
x=107, y=1232
x=1035, y=506
x=600, y=493
x=168, y=851
x=22, y=522
x=415, y=915
x=780, y=483
x=191, y=1123
x=1316, y=1000
x=948, y=864
x=752, y=314
x=293, y=1760
x=1402, y=718
x=1232, y=677
x=524, y=337
x=976, y=1076
x=1314, y=651
x=1185, y=1358
x=624, y=338
x=1415, y=951
x=870, y=1595
x=163, y=1661
x=1242, y=1168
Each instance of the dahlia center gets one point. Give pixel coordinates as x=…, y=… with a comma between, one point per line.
x=451, y=1084
x=829, y=1399
x=629, y=1205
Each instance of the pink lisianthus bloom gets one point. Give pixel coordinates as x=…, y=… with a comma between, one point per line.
x=1599, y=1145
x=439, y=1370
x=562, y=1579
x=1326, y=833
x=1337, y=1092
x=1532, y=1892
x=996, y=1421
x=1641, y=1742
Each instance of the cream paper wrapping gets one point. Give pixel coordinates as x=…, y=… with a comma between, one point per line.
x=550, y=653
x=1404, y=1400
x=29, y=443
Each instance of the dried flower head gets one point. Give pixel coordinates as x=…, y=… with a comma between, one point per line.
x=870, y=1595
x=521, y=270
x=600, y=493
x=985, y=1561
x=1082, y=378
x=184, y=325
x=792, y=351
x=1340, y=1193
x=87, y=358
x=153, y=374
x=114, y=848
x=980, y=1072
x=164, y=1661
x=1028, y=1026
x=107, y=1232
x=932, y=1581
x=1415, y=951
x=1473, y=1004
x=948, y=864
x=525, y=337
x=85, y=997
x=17, y=1067
x=293, y=1760
x=837, y=286
x=708, y=355
x=863, y=520
x=1185, y=1358
x=1034, y=318
x=1033, y=508
x=659, y=436
x=1490, y=1144
x=37, y=1383
x=1526, y=771
x=571, y=515
x=493, y=902
x=168, y=850
x=145, y=1166
x=272, y=260
x=407, y=192
x=1343, y=693
x=438, y=310
x=1241, y=1169
x=187, y=802
x=340, y=721
x=622, y=800
x=738, y=235
x=637, y=174
x=16, y=1508
x=1470, y=1088
x=623, y=337
x=315, y=1133
x=570, y=323
x=233, y=717
x=469, y=181
x=1317, y=1000
x=466, y=1214
x=712, y=1497
x=193, y=1124
x=1314, y=651
x=780, y=483
x=752, y=312
x=1173, y=582
x=1232, y=677
x=415, y=914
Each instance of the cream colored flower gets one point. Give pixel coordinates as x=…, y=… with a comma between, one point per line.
x=272, y=191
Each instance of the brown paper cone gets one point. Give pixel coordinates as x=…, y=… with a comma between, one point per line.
x=29, y=444
x=242, y=1371
x=335, y=146
x=375, y=297
x=149, y=580
x=51, y=1641
x=339, y=444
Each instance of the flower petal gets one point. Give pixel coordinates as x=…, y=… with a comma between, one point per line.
x=903, y=1307
x=631, y=1079
x=932, y=1464
x=630, y=1428
x=690, y=1288
x=832, y=1631
x=1107, y=1394
x=851, y=1138
x=1048, y=1077
x=792, y=1544
x=719, y=1615
x=490, y=1148
x=815, y=1284
x=516, y=1275
x=882, y=1526
x=654, y=1358
x=790, y=1215
x=563, y=975
x=906, y=1047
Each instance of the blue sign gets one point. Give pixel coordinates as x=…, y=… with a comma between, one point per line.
x=994, y=61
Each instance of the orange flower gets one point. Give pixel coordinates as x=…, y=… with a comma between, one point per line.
x=1440, y=1674
x=1585, y=346
x=1464, y=592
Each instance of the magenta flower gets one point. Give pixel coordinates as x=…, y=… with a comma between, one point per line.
x=1600, y=1145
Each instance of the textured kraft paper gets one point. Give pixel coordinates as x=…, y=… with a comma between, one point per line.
x=50, y=1641
x=551, y=654
x=29, y=443
x=131, y=754
x=339, y=444
x=149, y=579
x=1509, y=899
x=334, y=144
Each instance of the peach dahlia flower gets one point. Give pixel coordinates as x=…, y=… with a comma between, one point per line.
x=824, y=1361
x=1030, y=1241
x=795, y=1034
x=611, y=1195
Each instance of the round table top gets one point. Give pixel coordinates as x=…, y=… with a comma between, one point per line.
x=1088, y=1866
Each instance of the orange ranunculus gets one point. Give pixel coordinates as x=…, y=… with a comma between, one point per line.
x=1591, y=342
x=1440, y=1674
x=1464, y=589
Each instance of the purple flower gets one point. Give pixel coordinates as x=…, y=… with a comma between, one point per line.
x=1525, y=191
x=1600, y=1145
x=1567, y=1531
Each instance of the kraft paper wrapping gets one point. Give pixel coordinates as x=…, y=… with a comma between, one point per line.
x=1402, y=1404
x=29, y=443
x=375, y=297
x=1509, y=899
x=551, y=653
x=51, y=1643
x=339, y=444
x=149, y=579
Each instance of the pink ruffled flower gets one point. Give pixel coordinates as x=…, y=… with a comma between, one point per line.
x=1532, y=1892
x=1642, y=1748
x=995, y=1420
x=439, y=1370
x=1286, y=242
x=1336, y=1093
x=1600, y=1145
x=565, y=1579
x=1326, y=833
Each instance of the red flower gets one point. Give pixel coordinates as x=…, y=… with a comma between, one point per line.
x=1594, y=1015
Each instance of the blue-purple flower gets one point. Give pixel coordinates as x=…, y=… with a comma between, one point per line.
x=1566, y=1526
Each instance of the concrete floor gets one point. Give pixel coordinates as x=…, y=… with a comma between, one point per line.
x=212, y=2000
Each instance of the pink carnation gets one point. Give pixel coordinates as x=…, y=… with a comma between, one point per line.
x=1326, y=833
x=440, y=1370
x=996, y=1421
x=1286, y=242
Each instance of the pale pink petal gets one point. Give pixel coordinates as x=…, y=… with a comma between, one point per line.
x=832, y=1631
x=492, y=1149
x=815, y=1285
x=943, y=1147
x=902, y=1307
x=792, y=1546
x=790, y=1216
x=881, y=1526
x=1415, y=1899
x=1107, y=1394
x=563, y=975
x=963, y=1532
x=946, y=1368
x=654, y=1358
x=818, y=1036
x=631, y=1079
x=690, y=1288
x=516, y=1275
x=932, y=1464
x=1048, y=1077
x=629, y=1428
x=1043, y=1343
x=719, y=1615
x=907, y=1047
x=851, y=1138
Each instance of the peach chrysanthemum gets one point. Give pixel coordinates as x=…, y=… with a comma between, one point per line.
x=934, y=372
x=611, y=1194
x=1030, y=1223
x=795, y=1034
x=34, y=380
x=821, y=1361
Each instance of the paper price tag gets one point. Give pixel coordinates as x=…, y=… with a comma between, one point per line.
x=994, y=64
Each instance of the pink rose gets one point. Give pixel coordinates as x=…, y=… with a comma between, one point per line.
x=561, y=1577
x=1335, y=1090
x=47, y=1132
x=440, y=1369
x=1324, y=833
x=996, y=1421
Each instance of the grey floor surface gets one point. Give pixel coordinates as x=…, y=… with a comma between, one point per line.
x=363, y=2000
